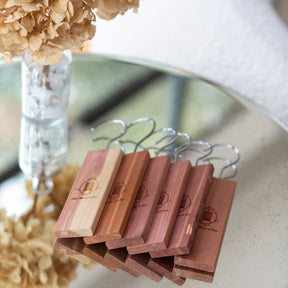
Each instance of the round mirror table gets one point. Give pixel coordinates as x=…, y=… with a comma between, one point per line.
x=254, y=252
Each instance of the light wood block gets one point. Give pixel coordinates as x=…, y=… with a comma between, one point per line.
x=166, y=212
x=194, y=274
x=164, y=266
x=145, y=204
x=72, y=247
x=88, y=195
x=188, y=213
x=121, y=198
x=140, y=262
x=97, y=253
x=118, y=257
x=209, y=235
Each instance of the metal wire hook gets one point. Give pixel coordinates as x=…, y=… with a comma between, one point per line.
x=231, y=164
x=173, y=134
x=178, y=150
x=122, y=132
x=209, y=149
x=141, y=120
x=203, y=152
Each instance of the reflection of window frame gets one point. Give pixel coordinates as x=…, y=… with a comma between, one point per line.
x=97, y=111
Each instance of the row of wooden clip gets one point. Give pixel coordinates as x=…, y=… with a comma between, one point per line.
x=146, y=215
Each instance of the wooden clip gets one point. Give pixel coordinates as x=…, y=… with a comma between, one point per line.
x=121, y=198
x=164, y=266
x=209, y=235
x=88, y=195
x=97, y=252
x=118, y=257
x=166, y=212
x=188, y=213
x=140, y=262
x=72, y=247
x=194, y=274
x=145, y=204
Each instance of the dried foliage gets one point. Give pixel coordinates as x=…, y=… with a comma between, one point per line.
x=44, y=28
x=109, y=9
x=28, y=259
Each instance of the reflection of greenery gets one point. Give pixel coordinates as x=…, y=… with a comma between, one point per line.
x=95, y=81
x=204, y=107
x=10, y=82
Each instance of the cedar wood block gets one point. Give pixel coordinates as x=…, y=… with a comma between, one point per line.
x=118, y=257
x=97, y=252
x=145, y=204
x=121, y=198
x=166, y=212
x=188, y=213
x=88, y=195
x=193, y=273
x=209, y=235
x=72, y=247
x=140, y=262
x=164, y=266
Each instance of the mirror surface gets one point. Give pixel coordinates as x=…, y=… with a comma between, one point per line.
x=255, y=248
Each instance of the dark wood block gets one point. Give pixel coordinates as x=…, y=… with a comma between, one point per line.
x=97, y=253
x=140, y=262
x=166, y=211
x=188, y=213
x=209, y=235
x=118, y=257
x=121, y=198
x=88, y=195
x=164, y=266
x=145, y=204
x=72, y=247
x=194, y=274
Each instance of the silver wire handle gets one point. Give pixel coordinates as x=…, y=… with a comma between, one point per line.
x=206, y=155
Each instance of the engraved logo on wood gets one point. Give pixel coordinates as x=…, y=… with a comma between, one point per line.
x=163, y=200
x=88, y=189
x=184, y=205
x=117, y=192
x=208, y=218
x=141, y=195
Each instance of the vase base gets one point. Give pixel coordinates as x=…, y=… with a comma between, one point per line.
x=42, y=186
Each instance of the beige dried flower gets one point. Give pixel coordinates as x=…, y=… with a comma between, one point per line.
x=27, y=256
x=28, y=259
x=44, y=28
x=109, y=9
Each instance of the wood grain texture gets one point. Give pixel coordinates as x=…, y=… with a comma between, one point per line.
x=166, y=211
x=164, y=266
x=140, y=262
x=88, y=195
x=72, y=247
x=145, y=204
x=209, y=235
x=194, y=274
x=119, y=257
x=188, y=214
x=121, y=198
x=97, y=253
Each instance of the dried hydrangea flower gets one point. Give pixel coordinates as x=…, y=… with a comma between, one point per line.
x=44, y=28
x=27, y=256
x=109, y=9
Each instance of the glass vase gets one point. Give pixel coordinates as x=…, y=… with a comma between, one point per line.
x=44, y=121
